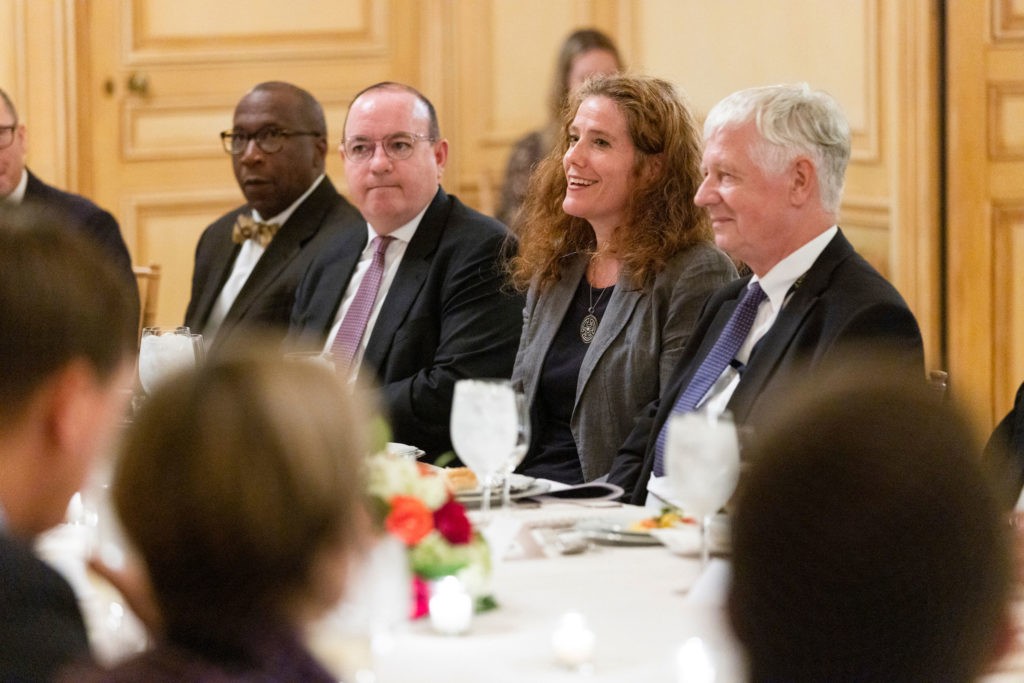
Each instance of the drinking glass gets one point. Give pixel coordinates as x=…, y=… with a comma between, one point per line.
x=703, y=464
x=521, y=447
x=484, y=429
x=163, y=351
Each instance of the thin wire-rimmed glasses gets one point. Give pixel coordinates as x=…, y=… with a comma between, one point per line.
x=7, y=135
x=268, y=140
x=397, y=146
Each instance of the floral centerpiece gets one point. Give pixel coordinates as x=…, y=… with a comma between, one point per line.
x=414, y=504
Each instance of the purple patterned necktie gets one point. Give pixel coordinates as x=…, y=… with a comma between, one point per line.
x=714, y=364
x=353, y=325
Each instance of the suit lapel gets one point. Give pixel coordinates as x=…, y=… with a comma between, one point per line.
x=408, y=281
x=297, y=230
x=774, y=347
x=221, y=259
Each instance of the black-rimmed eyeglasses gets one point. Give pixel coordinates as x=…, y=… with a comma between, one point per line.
x=269, y=140
x=397, y=146
x=7, y=135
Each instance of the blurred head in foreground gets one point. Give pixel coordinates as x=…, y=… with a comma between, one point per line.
x=67, y=341
x=867, y=543
x=240, y=485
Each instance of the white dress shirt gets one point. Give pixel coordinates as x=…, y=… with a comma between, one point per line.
x=18, y=193
x=392, y=259
x=248, y=256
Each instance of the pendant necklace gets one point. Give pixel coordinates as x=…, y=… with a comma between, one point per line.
x=588, y=328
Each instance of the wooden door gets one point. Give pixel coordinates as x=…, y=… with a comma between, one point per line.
x=159, y=81
x=985, y=214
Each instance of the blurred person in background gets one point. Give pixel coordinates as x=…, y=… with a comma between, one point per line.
x=585, y=52
x=240, y=486
x=67, y=349
x=618, y=262
x=868, y=546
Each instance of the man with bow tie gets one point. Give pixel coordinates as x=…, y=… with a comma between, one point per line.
x=249, y=261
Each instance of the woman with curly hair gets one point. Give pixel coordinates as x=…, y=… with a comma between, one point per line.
x=617, y=262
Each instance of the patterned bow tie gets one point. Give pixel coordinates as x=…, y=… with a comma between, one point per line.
x=259, y=232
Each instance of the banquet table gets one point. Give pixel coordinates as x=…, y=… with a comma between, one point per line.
x=641, y=603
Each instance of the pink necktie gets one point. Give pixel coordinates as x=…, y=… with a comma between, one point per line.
x=353, y=325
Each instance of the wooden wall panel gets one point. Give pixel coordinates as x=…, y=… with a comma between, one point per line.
x=985, y=200
x=149, y=150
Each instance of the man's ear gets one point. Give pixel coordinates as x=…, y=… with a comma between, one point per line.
x=67, y=405
x=803, y=181
x=441, y=156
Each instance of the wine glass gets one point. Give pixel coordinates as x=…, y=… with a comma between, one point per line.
x=703, y=464
x=163, y=351
x=521, y=447
x=484, y=429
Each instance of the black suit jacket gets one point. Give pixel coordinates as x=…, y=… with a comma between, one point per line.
x=97, y=224
x=265, y=301
x=840, y=307
x=446, y=316
x=41, y=627
x=1004, y=452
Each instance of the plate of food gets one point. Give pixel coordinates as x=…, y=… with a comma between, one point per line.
x=685, y=539
x=632, y=531
x=468, y=491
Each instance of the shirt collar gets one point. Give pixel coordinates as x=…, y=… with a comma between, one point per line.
x=402, y=234
x=282, y=217
x=777, y=282
x=18, y=194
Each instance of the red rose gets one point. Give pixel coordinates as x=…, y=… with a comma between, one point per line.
x=450, y=519
x=409, y=520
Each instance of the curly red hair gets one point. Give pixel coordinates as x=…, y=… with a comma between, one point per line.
x=661, y=218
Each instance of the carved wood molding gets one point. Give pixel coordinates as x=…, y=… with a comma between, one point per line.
x=1005, y=105
x=145, y=49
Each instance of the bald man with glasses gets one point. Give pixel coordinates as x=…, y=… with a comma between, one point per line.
x=18, y=185
x=249, y=261
x=413, y=300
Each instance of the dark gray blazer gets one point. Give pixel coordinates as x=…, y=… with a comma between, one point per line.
x=446, y=316
x=637, y=346
x=265, y=302
x=840, y=306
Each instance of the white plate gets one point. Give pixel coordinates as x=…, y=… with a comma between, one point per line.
x=685, y=539
x=616, y=532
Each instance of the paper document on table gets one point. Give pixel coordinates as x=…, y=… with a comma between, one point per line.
x=591, y=492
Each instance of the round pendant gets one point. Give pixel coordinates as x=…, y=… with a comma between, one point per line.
x=588, y=328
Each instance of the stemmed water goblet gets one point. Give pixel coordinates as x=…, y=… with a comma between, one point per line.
x=703, y=464
x=484, y=429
